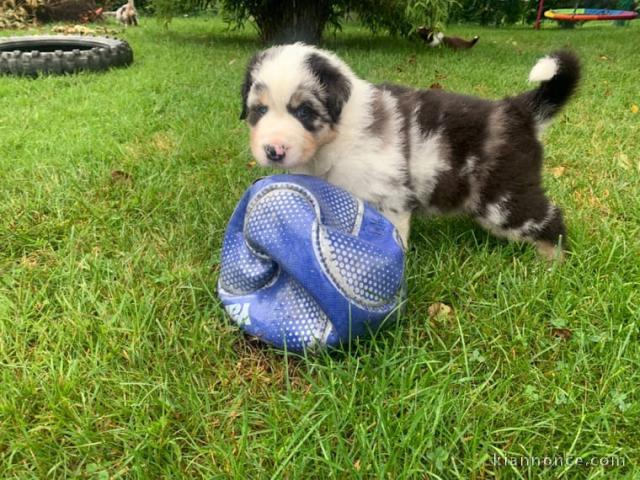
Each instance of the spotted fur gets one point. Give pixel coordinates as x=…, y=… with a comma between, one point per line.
x=404, y=149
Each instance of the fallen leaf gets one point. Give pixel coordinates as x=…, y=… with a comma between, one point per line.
x=558, y=171
x=356, y=465
x=29, y=261
x=561, y=333
x=439, y=309
x=120, y=176
x=634, y=108
x=589, y=198
x=251, y=164
x=163, y=142
x=604, y=57
x=436, y=85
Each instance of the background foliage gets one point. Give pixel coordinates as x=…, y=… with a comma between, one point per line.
x=276, y=18
x=398, y=17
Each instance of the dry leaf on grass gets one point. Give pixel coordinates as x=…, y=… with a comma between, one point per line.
x=561, y=333
x=634, y=108
x=121, y=176
x=591, y=199
x=436, y=85
x=163, y=142
x=558, y=171
x=29, y=261
x=439, y=310
x=251, y=164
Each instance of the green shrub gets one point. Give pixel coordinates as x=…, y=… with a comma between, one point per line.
x=293, y=20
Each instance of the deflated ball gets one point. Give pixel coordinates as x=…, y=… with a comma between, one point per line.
x=306, y=265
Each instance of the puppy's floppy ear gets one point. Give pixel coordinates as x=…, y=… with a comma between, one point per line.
x=337, y=87
x=248, y=82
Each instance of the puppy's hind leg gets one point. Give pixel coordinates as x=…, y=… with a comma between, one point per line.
x=529, y=217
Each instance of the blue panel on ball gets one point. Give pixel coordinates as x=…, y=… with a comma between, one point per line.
x=306, y=265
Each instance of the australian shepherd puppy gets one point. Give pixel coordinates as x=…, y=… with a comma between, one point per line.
x=406, y=150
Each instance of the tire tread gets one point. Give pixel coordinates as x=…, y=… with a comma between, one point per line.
x=106, y=52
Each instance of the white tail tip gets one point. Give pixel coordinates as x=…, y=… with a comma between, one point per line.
x=544, y=70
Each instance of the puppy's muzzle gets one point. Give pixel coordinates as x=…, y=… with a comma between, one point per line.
x=275, y=153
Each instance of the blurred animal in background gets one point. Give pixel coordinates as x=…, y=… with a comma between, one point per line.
x=433, y=39
x=127, y=14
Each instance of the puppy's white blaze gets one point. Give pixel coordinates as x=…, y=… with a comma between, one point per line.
x=545, y=69
x=282, y=72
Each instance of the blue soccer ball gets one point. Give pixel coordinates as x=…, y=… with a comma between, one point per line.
x=306, y=265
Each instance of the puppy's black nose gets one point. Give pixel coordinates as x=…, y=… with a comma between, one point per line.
x=275, y=153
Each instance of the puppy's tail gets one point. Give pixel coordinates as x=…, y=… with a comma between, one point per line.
x=558, y=74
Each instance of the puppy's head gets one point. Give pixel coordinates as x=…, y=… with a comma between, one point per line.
x=292, y=99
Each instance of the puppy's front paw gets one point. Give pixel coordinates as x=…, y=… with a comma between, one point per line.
x=550, y=252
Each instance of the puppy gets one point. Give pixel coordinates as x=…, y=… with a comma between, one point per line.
x=127, y=14
x=434, y=39
x=406, y=150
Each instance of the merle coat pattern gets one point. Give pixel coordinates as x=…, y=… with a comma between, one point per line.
x=406, y=150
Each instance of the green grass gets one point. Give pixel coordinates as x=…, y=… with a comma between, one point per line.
x=116, y=360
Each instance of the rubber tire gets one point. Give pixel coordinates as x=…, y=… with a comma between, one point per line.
x=21, y=55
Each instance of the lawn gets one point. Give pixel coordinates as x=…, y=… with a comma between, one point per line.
x=116, y=360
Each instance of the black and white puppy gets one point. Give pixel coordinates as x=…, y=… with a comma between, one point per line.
x=406, y=150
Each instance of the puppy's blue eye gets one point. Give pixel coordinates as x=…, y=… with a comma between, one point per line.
x=303, y=112
x=261, y=110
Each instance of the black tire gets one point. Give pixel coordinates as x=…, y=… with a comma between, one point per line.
x=60, y=54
